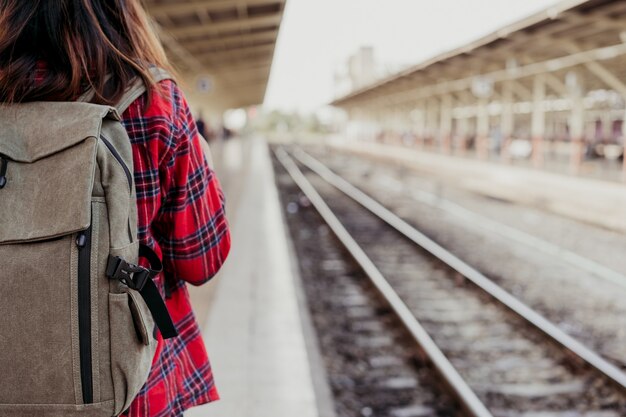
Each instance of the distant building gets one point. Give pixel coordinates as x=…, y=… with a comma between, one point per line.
x=361, y=69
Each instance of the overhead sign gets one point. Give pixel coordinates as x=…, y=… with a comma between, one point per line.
x=204, y=84
x=482, y=87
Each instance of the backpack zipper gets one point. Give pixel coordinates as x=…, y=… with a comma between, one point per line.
x=129, y=177
x=83, y=242
x=4, y=164
x=117, y=156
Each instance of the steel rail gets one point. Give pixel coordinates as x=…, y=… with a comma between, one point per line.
x=485, y=223
x=512, y=303
x=466, y=396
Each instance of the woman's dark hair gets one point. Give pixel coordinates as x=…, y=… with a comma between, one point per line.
x=77, y=43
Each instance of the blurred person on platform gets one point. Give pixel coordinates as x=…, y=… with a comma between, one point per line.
x=201, y=125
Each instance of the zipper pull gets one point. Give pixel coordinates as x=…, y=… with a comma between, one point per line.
x=81, y=240
x=4, y=164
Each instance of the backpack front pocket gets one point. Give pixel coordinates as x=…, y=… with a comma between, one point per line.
x=38, y=330
x=132, y=345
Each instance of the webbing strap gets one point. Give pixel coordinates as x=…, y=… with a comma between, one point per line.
x=141, y=279
x=152, y=297
x=136, y=89
x=155, y=303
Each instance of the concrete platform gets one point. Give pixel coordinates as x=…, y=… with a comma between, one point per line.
x=592, y=201
x=263, y=354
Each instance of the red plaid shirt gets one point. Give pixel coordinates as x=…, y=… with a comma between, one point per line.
x=181, y=216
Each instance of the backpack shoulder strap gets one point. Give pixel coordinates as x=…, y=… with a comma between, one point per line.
x=138, y=88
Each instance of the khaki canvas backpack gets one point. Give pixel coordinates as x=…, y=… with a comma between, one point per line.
x=77, y=315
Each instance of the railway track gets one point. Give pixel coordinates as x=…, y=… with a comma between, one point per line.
x=545, y=260
x=497, y=356
x=372, y=363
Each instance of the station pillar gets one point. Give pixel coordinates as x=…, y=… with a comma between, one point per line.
x=432, y=122
x=577, y=131
x=445, y=123
x=506, y=121
x=419, y=120
x=378, y=120
x=386, y=126
x=482, y=130
x=462, y=132
x=607, y=126
x=372, y=127
x=538, y=121
x=624, y=147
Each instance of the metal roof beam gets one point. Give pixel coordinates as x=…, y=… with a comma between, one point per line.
x=235, y=52
x=244, y=70
x=239, y=60
x=599, y=70
x=241, y=65
x=520, y=90
x=556, y=84
x=177, y=49
x=551, y=80
x=231, y=41
x=248, y=23
x=178, y=8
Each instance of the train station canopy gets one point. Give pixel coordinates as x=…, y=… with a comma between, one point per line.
x=224, y=48
x=584, y=37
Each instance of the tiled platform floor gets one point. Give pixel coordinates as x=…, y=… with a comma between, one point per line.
x=250, y=314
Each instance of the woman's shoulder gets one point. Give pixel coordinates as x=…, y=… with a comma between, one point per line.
x=167, y=108
x=166, y=101
x=164, y=121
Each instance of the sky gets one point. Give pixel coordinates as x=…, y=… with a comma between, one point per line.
x=317, y=37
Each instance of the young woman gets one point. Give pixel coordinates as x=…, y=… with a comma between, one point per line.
x=55, y=50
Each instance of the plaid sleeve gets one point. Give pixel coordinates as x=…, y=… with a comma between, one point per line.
x=192, y=228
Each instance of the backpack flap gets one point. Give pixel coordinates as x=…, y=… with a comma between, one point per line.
x=48, y=158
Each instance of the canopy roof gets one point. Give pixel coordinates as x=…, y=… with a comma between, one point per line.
x=230, y=42
x=587, y=36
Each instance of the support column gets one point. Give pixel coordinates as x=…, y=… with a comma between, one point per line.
x=607, y=126
x=538, y=123
x=560, y=133
x=362, y=132
x=419, y=119
x=353, y=113
x=388, y=123
x=463, y=134
x=432, y=122
x=550, y=137
x=372, y=126
x=577, y=129
x=406, y=131
x=395, y=125
x=624, y=146
x=506, y=121
x=378, y=121
x=445, y=124
x=482, y=129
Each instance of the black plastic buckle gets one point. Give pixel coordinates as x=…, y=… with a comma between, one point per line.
x=134, y=276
